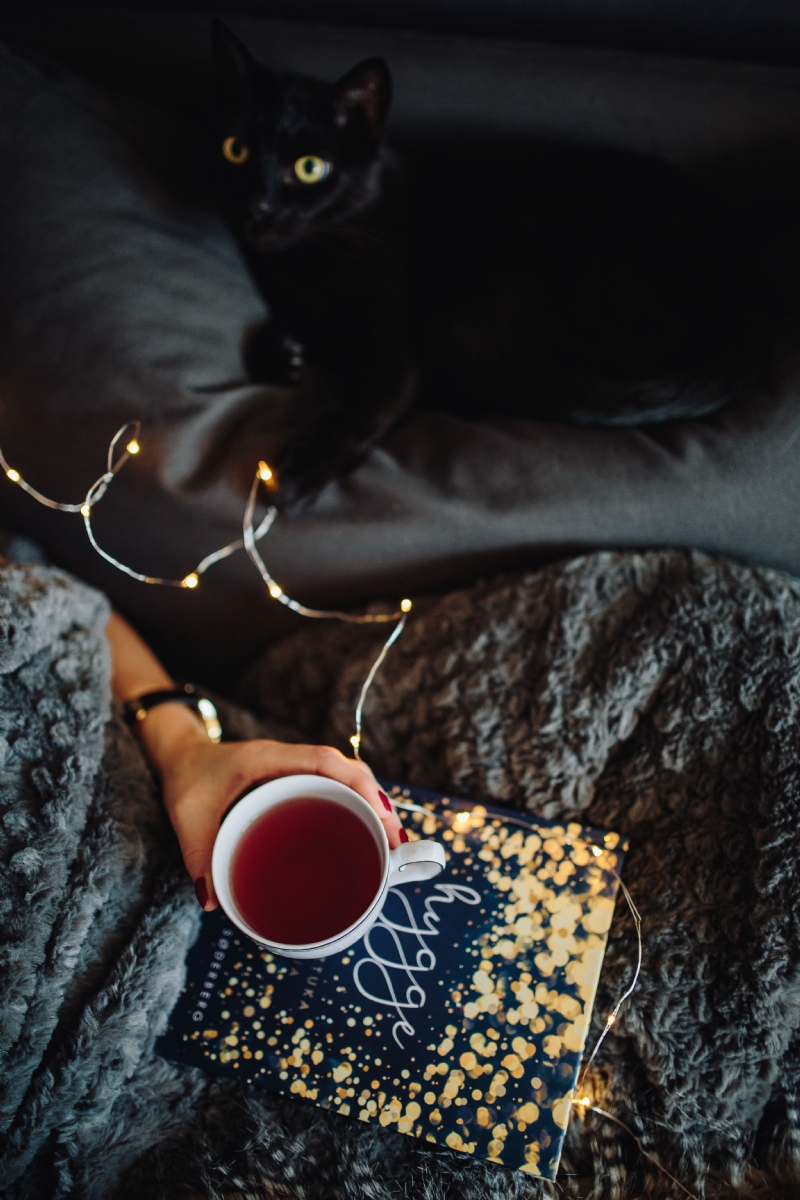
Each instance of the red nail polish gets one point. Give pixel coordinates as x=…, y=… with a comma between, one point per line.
x=387, y=804
x=403, y=835
x=201, y=891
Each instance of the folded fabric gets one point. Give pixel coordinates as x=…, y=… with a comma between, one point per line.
x=122, y=296
x=656, y=694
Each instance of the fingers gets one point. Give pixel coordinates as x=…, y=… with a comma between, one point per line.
x=200, y=787
x=325, y=760
x=391, y=822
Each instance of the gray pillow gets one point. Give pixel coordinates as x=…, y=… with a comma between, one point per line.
x=123, y=296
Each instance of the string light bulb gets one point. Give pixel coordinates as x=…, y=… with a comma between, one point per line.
x=264, y=476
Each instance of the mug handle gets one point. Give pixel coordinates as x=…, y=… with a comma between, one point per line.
x=414, y=861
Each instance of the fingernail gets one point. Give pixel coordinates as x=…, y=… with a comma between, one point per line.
x=201, y=891
x=387, y=804
x=403, y=835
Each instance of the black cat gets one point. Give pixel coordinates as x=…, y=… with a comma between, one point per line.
x=306, y=196
x=585, y=285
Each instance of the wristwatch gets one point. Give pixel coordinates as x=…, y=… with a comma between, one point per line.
x=137, y=709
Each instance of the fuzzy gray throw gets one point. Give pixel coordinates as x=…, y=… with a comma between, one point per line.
x=658, y=694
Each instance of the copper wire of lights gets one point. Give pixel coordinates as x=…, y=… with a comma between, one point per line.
x=251, y=535
x=264, y=477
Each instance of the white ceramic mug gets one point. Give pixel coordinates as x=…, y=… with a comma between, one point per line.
x=409, y=863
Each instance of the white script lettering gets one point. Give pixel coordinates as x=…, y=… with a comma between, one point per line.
x=406, y=939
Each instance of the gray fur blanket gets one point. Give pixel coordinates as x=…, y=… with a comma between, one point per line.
x=656, y=693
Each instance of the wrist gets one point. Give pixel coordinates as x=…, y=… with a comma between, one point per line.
x=168, y=732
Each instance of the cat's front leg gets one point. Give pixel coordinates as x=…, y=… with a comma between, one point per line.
x=348, y=304
x=342, y=427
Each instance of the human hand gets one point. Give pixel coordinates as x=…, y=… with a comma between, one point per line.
x=201, y=779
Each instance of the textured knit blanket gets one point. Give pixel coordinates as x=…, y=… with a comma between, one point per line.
x=658, y=694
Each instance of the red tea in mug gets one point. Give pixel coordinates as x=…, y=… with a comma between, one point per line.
x=305, y=871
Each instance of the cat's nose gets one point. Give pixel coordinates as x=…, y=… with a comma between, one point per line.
x=262, y=208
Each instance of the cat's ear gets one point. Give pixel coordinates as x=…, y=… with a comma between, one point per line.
x=237, y=70
x=366, y=91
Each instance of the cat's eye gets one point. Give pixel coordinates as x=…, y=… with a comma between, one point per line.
x=311, y=169
x=235, y=151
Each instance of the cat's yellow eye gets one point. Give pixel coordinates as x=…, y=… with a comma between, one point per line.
x=311, y=169
x=235, y=151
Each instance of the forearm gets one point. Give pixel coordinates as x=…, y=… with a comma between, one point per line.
x=135, y=671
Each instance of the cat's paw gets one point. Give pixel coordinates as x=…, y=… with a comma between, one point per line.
x=334, y=442
x=270, y=357
x=321, y=454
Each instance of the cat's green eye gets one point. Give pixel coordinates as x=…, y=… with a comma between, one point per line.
x=311, y=169
x=235, y=151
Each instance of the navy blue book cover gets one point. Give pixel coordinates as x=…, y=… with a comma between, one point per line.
x=460, y=1018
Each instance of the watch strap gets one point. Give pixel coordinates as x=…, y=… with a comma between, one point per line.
x=136, y=709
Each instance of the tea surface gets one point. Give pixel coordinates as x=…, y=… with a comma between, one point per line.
x=305, y=871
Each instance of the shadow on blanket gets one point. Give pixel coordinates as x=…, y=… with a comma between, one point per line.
x=656, y=693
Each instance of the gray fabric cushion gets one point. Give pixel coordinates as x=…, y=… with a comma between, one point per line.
x=122, y=295
x=120, y=300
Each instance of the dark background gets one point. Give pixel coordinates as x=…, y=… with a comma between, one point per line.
x=745, y=30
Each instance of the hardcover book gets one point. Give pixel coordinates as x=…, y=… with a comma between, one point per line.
x=460, y=1018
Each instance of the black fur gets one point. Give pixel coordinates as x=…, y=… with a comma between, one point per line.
x=571, y=284
x=333, y=282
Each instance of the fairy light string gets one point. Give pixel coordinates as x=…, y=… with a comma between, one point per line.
x=355, y=740
x=251, y=536
x=264, y=477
